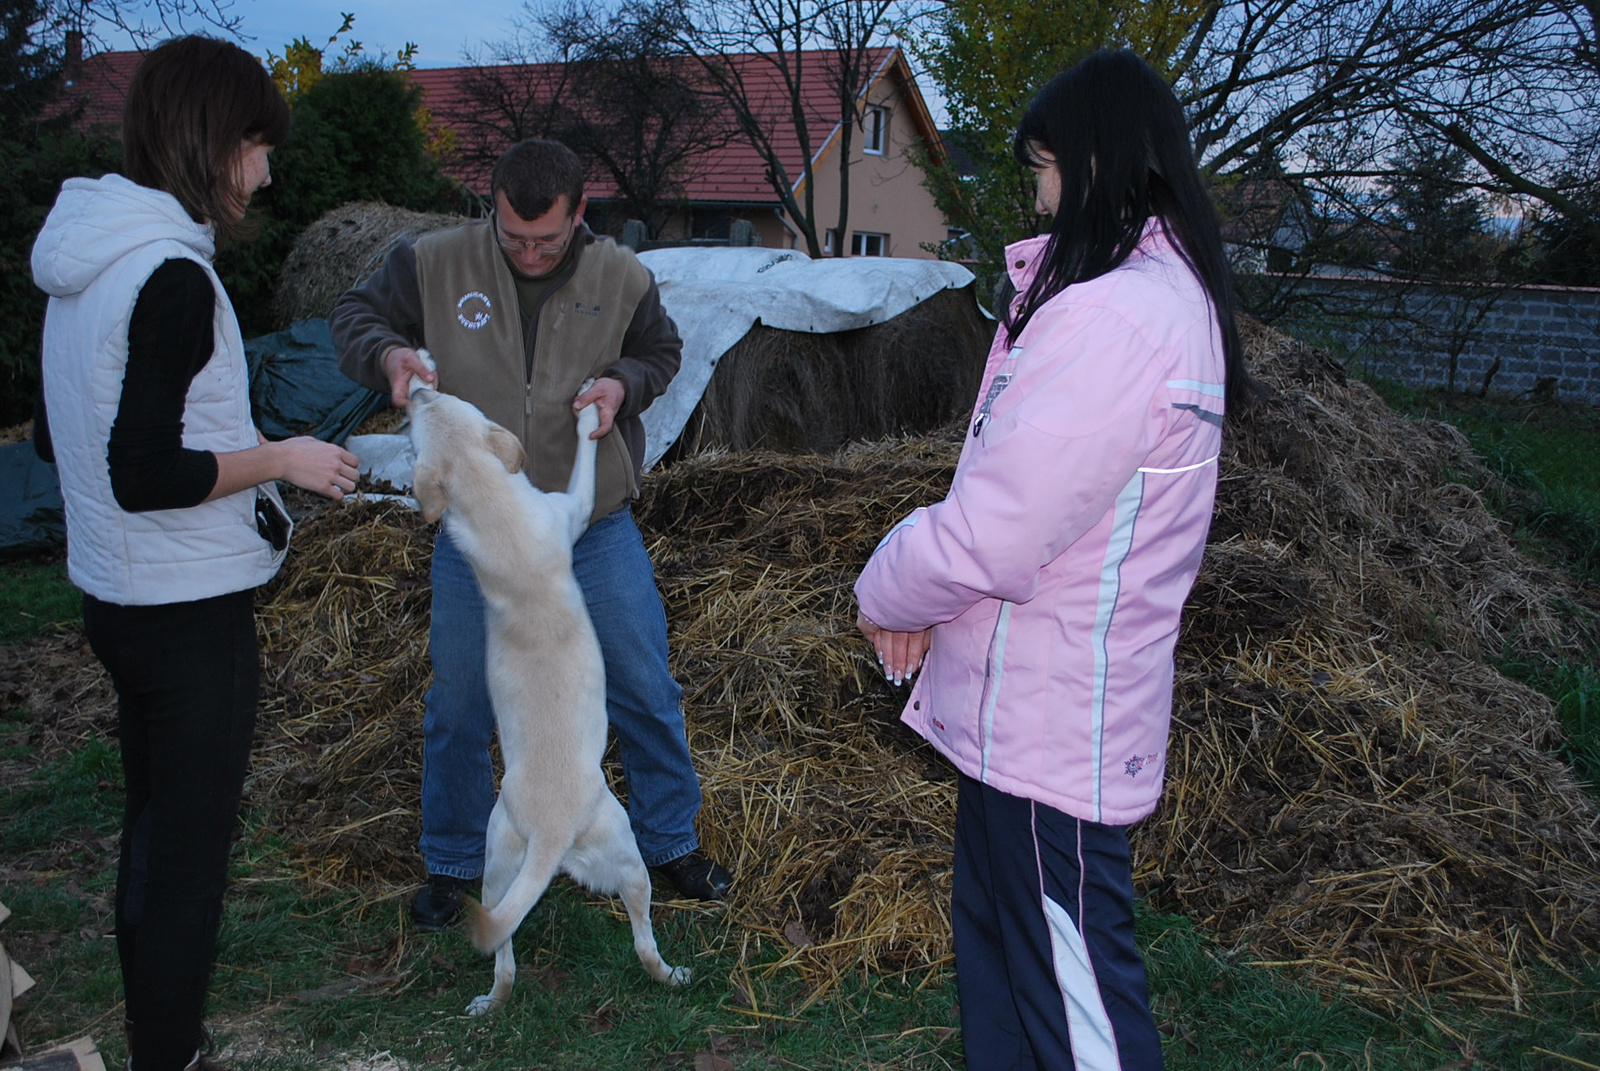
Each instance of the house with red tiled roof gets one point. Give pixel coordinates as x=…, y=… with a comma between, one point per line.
x=98, y=83
x=891, y=212
x=724, y=190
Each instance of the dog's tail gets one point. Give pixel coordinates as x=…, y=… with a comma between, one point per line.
x=479, y=923
x=489, y=928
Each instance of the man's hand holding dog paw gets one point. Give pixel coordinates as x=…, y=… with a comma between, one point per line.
x=608, y=394
x=400, y=364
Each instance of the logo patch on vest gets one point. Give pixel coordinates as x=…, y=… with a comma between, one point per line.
x=585, y=310
x=473, y=309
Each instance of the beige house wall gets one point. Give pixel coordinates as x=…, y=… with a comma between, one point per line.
x=886, y=191
x=770, y=230
x=887, y=196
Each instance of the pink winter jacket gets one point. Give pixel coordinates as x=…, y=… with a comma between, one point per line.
x=1054, y=572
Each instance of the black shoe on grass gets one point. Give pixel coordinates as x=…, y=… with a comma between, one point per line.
x=438, y=903
x=696, y=877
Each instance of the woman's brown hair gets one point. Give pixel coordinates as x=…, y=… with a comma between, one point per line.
x=192, y=103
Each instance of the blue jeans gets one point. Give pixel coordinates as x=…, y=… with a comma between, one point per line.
x=642, y=702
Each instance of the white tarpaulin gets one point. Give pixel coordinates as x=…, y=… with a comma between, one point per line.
x=716, y=295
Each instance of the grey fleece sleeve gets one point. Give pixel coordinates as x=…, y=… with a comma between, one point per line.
x=381, y=314
x=651, y=352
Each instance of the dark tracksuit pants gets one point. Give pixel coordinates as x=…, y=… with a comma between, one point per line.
x=1046, y=967
x=187, y=676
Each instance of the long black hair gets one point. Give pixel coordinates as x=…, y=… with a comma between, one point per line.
x=1121, y=149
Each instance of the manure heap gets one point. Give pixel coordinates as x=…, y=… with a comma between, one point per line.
x=1352, y=787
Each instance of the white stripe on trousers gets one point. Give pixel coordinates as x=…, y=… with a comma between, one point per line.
x=1094, y=1044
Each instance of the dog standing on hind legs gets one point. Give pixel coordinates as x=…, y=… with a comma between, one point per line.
x=546, y=678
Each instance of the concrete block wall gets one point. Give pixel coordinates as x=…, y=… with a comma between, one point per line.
x=1408, y=331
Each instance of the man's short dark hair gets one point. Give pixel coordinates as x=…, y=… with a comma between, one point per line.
x=536, y=173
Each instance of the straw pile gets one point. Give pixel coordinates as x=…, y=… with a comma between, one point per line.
x=340, y=250
x=345, y=638
x=1352, y=788
x=797, y=393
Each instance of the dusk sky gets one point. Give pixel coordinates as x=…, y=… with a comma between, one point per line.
x=440, y=29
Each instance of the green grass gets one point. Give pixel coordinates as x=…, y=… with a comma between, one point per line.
x=1551, y=453
x=65, y=805
x=35, y=597
x=306, y=978
x=1574, y=687
x=309, y=976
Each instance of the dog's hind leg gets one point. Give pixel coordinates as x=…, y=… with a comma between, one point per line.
x=605, y=858
x=505, y=849
x=505, y=973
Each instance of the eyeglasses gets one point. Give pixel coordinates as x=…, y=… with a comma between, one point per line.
x=517, y=245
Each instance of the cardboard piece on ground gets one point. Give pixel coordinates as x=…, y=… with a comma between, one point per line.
x=80, y=1055
x=9, y=1046
x=21, y=980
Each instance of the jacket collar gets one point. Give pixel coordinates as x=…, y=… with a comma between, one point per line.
x=1022, y=258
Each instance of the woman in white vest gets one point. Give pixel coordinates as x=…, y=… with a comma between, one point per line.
x=173, y=516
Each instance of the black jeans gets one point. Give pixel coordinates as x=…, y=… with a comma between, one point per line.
x=187, y=676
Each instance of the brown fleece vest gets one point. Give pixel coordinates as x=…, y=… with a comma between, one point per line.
x=473, y=330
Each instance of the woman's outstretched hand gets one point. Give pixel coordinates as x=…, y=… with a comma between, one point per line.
x=318, y=466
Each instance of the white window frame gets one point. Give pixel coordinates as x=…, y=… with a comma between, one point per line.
x=862, y=241
x=827, y=241
x=875, y=130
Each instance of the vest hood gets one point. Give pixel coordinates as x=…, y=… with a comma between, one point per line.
x=96, y=222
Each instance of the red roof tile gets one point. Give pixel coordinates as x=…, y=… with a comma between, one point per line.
x=100, y=82
x=736, y=173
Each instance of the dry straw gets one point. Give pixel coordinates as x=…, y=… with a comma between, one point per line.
x=1352, y=788
x=339, y=250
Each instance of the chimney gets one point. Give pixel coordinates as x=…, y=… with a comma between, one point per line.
x=73, y=61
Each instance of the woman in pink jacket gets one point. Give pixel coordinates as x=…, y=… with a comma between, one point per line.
x=1045, y=590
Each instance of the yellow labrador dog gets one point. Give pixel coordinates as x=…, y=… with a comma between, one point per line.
x=546, y=679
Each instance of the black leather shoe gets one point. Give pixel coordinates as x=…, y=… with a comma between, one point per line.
x=696, y=877
x=438, y=903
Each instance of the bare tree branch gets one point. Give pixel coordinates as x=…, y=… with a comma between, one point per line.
x=144, y=23
x=759, y=55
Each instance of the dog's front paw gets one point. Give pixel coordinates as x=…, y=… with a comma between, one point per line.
x=679, y=976
x=484, y=1005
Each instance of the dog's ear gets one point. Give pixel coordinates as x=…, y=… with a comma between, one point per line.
x=430, y=492
x=507, y=447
